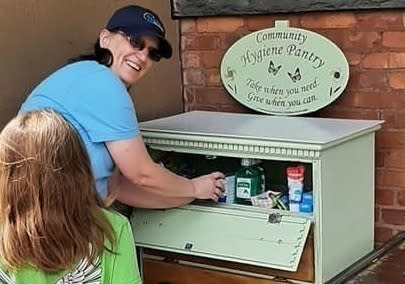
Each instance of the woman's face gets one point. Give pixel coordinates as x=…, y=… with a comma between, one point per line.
x=129, y=63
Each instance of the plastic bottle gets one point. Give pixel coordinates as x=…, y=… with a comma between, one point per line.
x=248, y=182
x=229, y=192
x=295, y=181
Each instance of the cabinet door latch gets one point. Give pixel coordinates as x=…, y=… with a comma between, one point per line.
x=188, y=246
x=274, y=218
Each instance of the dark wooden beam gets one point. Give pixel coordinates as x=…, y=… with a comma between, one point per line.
x=199, y=8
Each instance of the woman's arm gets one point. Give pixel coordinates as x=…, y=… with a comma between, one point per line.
x=142, y=173
x=137, y=197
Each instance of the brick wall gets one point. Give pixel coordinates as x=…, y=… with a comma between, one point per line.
x=374, y=44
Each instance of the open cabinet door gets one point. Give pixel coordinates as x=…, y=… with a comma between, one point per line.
x=264, y=239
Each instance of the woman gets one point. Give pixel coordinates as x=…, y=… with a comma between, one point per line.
x=91, y=93
x=53, y=228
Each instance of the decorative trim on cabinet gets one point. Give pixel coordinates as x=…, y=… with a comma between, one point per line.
x=228, y=148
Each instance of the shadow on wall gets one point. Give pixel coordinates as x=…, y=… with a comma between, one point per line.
x=44, y=34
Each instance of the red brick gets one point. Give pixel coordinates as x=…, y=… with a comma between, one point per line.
x=399, y=122
x=373, y=80
x=339, y=37
x=388, y=139
x=396, y=80
x=213, y=78
x=395, y=159
x=353, y=58
x=212, y=95
x=211, y=59
x=200, y=42
x=227, y=39
x=379, y=20
x=190, y=60
x=223, y=24
x=401, y=198
x=201, y=96
x=188, y=26
x=382, y=234
x=384, y=197
x=328, y=20
x=255, y=23
x=376, y=61
x=394, y=39
x=353, y=41
x=360, y=41
x=336, y=111
x=379, y=159
x=397, y=60
x=393, y=216
x=394, y=118
x=189, y=95
x=365, y=100
x=234, y=107
x=377, y=214
x=388, y=115
x=373, y=100
x=354, y=77
x=193, y=77
x=390, y=178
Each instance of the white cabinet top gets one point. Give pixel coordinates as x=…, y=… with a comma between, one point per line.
x=306, y=130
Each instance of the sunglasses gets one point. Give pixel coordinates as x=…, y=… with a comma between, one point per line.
x=138, y=42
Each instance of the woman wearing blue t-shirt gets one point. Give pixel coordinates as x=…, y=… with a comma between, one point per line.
x=91, y=93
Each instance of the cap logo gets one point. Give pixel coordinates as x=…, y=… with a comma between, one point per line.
x=151, y=19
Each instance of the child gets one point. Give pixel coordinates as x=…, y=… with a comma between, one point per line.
x=53, y=228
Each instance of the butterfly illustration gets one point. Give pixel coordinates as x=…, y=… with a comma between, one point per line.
x=296, y=76
x=272, y=69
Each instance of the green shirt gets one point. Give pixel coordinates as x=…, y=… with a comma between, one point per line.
x=119, y=268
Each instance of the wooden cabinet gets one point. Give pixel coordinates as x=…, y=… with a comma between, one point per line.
x=263, y=244
x=158, y=272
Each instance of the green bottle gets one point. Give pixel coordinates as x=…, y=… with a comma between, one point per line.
x=248, y=182
x=257, y=163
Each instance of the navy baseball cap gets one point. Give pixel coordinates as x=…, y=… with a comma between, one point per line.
x=136, y=20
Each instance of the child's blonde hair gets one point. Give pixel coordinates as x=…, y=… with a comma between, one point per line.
x=50, y=215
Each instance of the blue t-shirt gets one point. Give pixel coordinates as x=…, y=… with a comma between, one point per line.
x=96, y=102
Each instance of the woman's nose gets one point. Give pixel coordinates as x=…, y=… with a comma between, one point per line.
x=143, y=54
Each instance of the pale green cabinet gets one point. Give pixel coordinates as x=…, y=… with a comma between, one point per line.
x=340, y=156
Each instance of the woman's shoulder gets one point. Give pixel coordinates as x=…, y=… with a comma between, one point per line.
x=88, y=67
x=92, y=75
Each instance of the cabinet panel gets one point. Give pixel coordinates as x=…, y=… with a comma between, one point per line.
x=305, y=271
x=243, y=236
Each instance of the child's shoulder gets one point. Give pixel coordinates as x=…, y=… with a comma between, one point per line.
x=115, y=217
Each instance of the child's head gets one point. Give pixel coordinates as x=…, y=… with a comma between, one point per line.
x=43, y=166
x=48, y=201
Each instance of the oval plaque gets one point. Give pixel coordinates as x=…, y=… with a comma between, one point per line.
x=284, y=71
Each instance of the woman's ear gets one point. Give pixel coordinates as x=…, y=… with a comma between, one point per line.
x=104, y=38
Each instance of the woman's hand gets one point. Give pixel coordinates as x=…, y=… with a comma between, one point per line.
x=209, y=186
